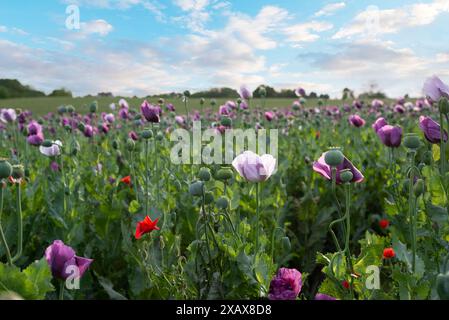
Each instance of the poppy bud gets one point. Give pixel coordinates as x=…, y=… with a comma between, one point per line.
x=443, y=286
x=226, y=121
x=159, y=136
x=239, y=101
x=115, y=144
x=47, y=143
x=68, y=128
x=222, y=203
x=18, y=171
x=412, y=141
x=196, y=189
x=62, y=109
x=286, y=244
x=419, y=187
x=137, y=123
x=161, y=101
x=93, y=107
x=204, y=174
x=202, y=101
x=70, y=109
x=147, y=134
x=213, y=102
x=209, y=198
x=40, y=121
x=75, y=148
x=346, y=176
x=224, y=174
x=130, y=144
x=262, y=91
x=81, y=127
x=5, y=169
x=443, y=105
x=334, y=157
x=187, y=94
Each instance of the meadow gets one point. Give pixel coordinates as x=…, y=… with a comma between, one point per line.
x=350, y=204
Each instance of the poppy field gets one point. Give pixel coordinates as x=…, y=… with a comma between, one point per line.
x=327, y=201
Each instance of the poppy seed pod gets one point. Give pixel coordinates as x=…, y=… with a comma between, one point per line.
x=187, y=94
x=213, y=102
x=130, y=144
x=68, y=128
x=204, y=174
x=18, y=171
x=334, y=157
x=412, y=141
x=443, y=105
x=5, y=169
x=222, y=203
x=224, y=174
x=226, y=121
x=161, y=101
x=138, y=116
x=47, y=143
x=81, y=127
x=346, y=176
x=159, y=136
x=147, y=134
x=202, y=101
x=209, y=197
x=93, y=107
x=75, y=148
x=262, y=91
x=115, y=144
x=70, y=109
x=419, y=188
x=196, y=189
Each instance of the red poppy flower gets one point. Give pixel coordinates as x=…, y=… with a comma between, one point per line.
x=146, y=226
x=384, y=224
x=389, y=253
x=126, y=180
x=345, y=284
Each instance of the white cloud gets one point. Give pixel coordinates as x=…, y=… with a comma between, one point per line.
x=330, y=9
x=3, y=29
x=377, y=22
x=306, y=32
x=95, y=27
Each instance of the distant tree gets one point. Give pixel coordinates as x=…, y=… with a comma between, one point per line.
x=324, y=96
x=313, y=95
x=14, y=89
x=347, y=94
x=3, y=93
x=105, y=94
x=60, y=93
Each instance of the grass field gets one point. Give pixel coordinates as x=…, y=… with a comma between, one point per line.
x=41, y=106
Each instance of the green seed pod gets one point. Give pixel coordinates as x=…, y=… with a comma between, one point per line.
x=346, y=176
x=224, y=174
x=138, y=116
x=187, y=94
x=226, y=121
x=130, y=144
x=419, y=188
x=137, y=123
x=222, y=203
x=81, y=127
x=93, y=107
x=18, y=171
x=239, y=101
x=412, y=141
x=41, y=121
x=68, y=128
x=202, y=101
x=75, y=148
x=262, y=91
x=47, y=143
x=5, y=169
x=286, y=244
x=204, y=174
x=159, y=136
x=443, y=286
x=443, y=105
x=161, y=101
x=70, y=109
x=213, y=102
x=62, y=109
x=147, y=134
x=115, y=145
x=196, y=189
x=334, y=157
x=209, y=198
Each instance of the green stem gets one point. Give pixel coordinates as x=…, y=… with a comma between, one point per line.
x=61, y=290
x=19, y=224
x=412, y=208
x=146, y=179
x=348, y=232
x=2, y=234
x=257, y=217
x=442, y=147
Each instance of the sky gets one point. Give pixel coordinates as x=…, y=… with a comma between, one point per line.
x=143, y=47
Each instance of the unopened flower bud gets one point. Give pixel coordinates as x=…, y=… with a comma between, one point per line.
x=115, y=144
x=187, y=94
x=202, y=101
x=75, y=148
x=443, y=105
x=419, y=187
x=130, y=144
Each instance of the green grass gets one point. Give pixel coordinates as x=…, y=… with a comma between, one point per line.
x=41, y=106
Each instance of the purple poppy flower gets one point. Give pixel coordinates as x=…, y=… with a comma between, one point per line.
x=123, y=104
x=357, y=104
x=399, y=108
x=133, y=135
x=34, y=128
x=377, y=104
x=390, y=136
x=245, y=93
x=88, y=131
x=323, y=169
x=346, y=107
x=8, y=115
x=180, y=120
x=110, y=118
x=243, y=105
x=224, y=110
x=36, y=139
x=322, y=296
x=269, y=116
x=254, y=168
x=151, y=113
x=300, y=92
x=123, y=113
x=54, y=166
x=381, y=122
x=170, y=107
x=63, y=261
x=231, y=105
x=431, y=130
x=356, y=121
x=286, y=285
x=434, y=88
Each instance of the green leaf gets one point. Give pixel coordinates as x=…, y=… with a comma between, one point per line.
x=109, y=288
x=39, y=274
x=404, y=255
x=134, y=207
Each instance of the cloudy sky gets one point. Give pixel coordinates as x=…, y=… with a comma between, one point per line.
x=140, y=47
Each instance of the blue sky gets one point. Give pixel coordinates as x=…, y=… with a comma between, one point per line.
x=140, y=47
